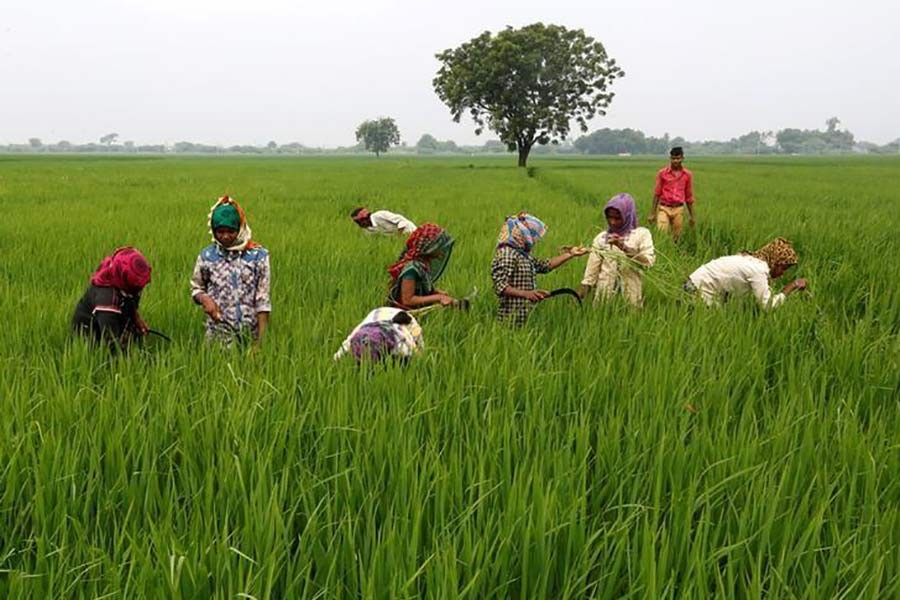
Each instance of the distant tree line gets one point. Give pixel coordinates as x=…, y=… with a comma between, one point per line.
x=786, y=141
x=605, y=141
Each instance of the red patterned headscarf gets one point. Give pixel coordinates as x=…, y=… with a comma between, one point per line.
x=428, y=248
x=125, y=270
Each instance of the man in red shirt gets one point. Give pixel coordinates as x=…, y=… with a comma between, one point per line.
x=674, y=190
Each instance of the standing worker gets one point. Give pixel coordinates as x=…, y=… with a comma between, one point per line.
x=674, y=190
x=619, y=254
x=382, y=221
x=231, y=277
x=514, y=269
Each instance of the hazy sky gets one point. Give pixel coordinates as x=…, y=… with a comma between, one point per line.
x=235, y=71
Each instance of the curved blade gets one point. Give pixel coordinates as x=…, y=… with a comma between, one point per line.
x=566, y=292
x=159, y=334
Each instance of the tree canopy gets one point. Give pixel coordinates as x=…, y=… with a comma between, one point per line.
x=529, y=84
x=378, y=135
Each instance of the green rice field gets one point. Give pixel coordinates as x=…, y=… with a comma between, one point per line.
x=601, y=452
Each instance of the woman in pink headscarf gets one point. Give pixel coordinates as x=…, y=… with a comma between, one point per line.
x=619, y=255
x=108, y=310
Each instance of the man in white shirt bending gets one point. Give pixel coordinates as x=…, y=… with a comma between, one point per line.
x=382, y=221
x=748, y=272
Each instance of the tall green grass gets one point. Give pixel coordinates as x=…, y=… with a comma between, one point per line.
x=558, y=461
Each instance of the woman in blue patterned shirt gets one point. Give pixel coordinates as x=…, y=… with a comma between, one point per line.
x=231, y=277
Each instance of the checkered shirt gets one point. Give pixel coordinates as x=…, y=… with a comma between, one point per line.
x=514, y=269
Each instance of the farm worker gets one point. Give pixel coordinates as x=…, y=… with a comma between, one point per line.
x=382, y=221
x=420, y=266
x=747, y=272
x=108, y=310
x=513, y=268
x=231, y=277
x=619, y=254
x=674, y=190
x=386, y=332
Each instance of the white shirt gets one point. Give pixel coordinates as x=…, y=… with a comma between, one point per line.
x=609, y=271
x=388, y=223
x=737, y=276
x=410, y=335
x=638, y=244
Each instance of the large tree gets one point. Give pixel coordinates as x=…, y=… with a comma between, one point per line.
x=378, y=135
x=527, y=84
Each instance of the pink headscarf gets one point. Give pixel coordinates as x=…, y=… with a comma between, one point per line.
x=125, y=270
x=623, y=203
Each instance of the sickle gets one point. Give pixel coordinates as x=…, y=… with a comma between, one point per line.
x=160, y=334
x=566, y=292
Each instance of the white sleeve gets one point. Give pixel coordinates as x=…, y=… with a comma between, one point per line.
x=759, y=284
x=644, y=247
x=594, y=262
x=592, y=269
x=345, y=347
x=406, y=226
x=402, y=223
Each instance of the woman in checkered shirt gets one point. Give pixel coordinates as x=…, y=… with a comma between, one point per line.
x=513, y=269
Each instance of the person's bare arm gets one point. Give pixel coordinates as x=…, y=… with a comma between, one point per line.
x=689, y=198
x=652, y=216
x=409, y=298
x=209, y=306
x=563, y=258
x=797, y=284
x=530, y=295
x=262, y=324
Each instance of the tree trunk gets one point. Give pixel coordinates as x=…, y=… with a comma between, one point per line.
x=523, y=154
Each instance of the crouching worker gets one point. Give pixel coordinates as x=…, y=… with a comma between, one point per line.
x=108, y=311
x=513, y=268
x=619, y=254
x=385, y=333
x=231, y=278
x=382, y=221
x=415, y=274
x=746, y=273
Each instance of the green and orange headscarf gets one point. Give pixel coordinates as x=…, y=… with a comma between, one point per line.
x=226, y=212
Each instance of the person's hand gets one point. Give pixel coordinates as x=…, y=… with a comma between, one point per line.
x=446, y=300
x=692, y=220
x=800, y=284
x=577, y=251
x=140, y=325
x=212, y=309
x=615, y=240
x=536, y=296
x=651, y=217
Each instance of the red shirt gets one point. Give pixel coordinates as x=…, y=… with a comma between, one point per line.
x=674, y=188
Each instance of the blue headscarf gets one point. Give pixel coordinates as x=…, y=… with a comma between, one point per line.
x=521, y=232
